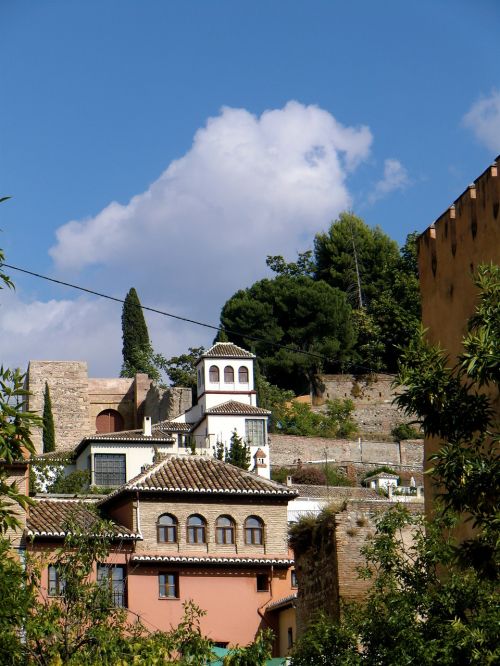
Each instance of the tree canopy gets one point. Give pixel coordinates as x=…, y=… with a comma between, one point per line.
x=136, y=345
x=299, y=314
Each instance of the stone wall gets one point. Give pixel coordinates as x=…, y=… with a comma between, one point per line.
x=328, y=555
x=372, y=396
x=363, y=456
x=77, y=400
x=68, y=384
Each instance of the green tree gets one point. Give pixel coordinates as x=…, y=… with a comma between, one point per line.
x=297, y=315
x=350, y=247
x=49, y=434
x=238, y=453
x=335, y=421
x=273, y=398
x=137, y=348
x=303, y=267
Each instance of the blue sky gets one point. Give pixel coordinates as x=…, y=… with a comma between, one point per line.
x=223, y=132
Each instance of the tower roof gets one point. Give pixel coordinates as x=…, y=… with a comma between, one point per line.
x=226, y=350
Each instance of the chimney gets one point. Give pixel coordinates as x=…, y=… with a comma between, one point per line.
x=146, y=427
x=288, y=480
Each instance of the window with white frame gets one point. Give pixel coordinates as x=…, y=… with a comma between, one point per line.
x=255, y=432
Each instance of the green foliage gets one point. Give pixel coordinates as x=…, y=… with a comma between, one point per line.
x=326, y=643
x=335, y=477
x=238, y=453
x=181, y=369
x=379, y=470
x=136, y=345
x=335, y=261
x=403, y=431
x=15, y=441
x=49, y=434
x=255, y=654
x=273, y=398
x=310, y=475
x=452, y=406
x=74, y=483
x=300, y=314
x=303, y=267
x=336, y=421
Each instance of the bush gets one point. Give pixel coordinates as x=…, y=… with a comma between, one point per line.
x=309, y=475
x=334, y=477
x=404, y=431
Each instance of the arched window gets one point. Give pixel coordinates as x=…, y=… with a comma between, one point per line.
x=243, y=375
x=229, y=374
x=254, y=531
x=167, y=529
x=213, y=374
x=224, y=530
x=109, y=420
x=196, y=529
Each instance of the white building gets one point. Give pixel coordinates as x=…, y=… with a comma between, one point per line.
x=227, y=403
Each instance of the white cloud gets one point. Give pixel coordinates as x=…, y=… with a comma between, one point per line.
x=395, y=178
x=484, y=120
x=248, y=186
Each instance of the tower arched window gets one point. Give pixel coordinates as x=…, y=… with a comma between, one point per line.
x=196, y=529
x=213, y=374
x=254, y=531
x=167, y=529
x=224, y=530
x=243, y=375
x=229, y=374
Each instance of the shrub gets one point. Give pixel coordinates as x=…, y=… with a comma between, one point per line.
x=309, y=475
x=404, y=431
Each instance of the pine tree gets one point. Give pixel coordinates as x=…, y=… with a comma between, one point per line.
x=136, y=346
x=238, y=453
x=49, y=435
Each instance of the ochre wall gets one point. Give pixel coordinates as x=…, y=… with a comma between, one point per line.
x=450, y=250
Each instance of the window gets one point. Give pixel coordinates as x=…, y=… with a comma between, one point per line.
x=290, y=637
x=254, y=531
x=213, y=374
x=224, y=530
x=255, y=432
x=243, y=375
x=295, y=582
x=168, y=585
x=109, y=420
x=109, y=469
x=262, y=583
x=167, y=529
x=196, y=530
x=56, y=583
x=114, y=576
x=229, y=374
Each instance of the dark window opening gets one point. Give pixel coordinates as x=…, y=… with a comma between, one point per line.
x=243, y=375
x=229, y=374
x=262, y=583
x=167, y=529
x=196, y=530
x=224, y=530
x=57, y=584
x=254, y=531
x=213, y=374
x=295, y=582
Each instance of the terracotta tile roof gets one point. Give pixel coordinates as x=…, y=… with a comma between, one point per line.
x=202, y=474
x=238, y=408
x=226, y=350
x=51, y=518
x=226, y=560
x=284, y=601
x=333, y=492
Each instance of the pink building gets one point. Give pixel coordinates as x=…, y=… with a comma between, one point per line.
x=188, y=527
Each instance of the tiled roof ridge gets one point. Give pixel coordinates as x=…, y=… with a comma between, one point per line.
x=244, y=407
x=238, y=352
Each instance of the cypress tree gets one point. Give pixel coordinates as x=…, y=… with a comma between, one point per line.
x=136, y=346
x=238, y=453
x=49, y=435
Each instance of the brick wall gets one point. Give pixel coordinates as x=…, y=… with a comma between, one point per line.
x=327, y=562
x=274, y=515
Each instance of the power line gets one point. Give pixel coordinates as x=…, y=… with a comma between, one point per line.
x=184, y=319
